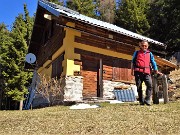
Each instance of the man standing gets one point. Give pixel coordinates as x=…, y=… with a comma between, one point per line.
x=142, y=62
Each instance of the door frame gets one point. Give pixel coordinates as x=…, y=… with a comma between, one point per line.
x=100, y=79
x=99, y=73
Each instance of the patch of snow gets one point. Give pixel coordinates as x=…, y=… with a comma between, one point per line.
x=84, y=106
x=115, y=102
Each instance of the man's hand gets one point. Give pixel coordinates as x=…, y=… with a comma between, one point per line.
x=159, y=73
x=132, y=72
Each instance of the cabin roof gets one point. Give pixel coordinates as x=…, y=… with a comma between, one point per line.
x=58, y=10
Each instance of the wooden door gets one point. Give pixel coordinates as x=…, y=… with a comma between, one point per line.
x=90, y=73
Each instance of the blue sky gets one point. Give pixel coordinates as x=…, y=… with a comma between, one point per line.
x=9, y=9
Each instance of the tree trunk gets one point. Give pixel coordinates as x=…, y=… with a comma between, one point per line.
x=21, y=105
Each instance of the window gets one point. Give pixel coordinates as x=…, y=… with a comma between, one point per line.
x=57, y=68
x=48, y=32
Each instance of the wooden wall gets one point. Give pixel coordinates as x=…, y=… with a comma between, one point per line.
x=51, y=41
x=102, y=38
x=114, y=69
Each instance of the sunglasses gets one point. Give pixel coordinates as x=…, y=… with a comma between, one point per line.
x=144, y=45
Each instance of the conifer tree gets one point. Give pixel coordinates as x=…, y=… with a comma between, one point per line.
x=59, y=2
x=85, y=7
x=132, y=15
x=29, y=24
x=5, y=43
x=164, y=18
x=13, y=50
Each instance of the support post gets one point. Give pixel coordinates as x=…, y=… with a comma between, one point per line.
x=155, y=89
x=165, y=89
x=101, y=78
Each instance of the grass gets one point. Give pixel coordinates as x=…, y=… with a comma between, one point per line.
x=127, y=118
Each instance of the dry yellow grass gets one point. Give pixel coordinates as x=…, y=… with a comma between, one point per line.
x=175, y=76
x=109, y=119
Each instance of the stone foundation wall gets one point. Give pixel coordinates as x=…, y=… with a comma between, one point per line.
x=73, y=87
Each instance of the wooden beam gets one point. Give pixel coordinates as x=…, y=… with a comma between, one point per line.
x=164, y=62
x=101, y=78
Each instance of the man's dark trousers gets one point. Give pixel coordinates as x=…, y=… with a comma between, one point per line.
x=139, y=78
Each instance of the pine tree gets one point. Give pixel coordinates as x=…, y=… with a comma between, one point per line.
x=13, y=50
x=29, y=24
x=164, y=18
x=5, y=43
x=85, y=7
x=59, y=2
x=132, y=15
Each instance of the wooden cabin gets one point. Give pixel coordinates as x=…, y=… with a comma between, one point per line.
x=90, y=55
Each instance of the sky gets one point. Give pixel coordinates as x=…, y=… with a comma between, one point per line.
x=9, y=9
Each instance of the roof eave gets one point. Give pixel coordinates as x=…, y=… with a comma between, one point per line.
x=49, y=8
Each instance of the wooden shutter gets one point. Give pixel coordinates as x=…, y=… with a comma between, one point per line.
x=122, y=70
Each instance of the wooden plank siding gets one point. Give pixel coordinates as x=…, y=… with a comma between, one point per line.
x=113, y=68
x=99, y=37
x=107, y=72
x=104, y=44
x=92, y=29
x=52, y=44
x=122, y=70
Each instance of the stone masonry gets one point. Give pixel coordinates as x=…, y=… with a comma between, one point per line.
x=73, y=87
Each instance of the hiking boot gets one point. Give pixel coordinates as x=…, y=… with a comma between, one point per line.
x=141, y=103
x=147, y=102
